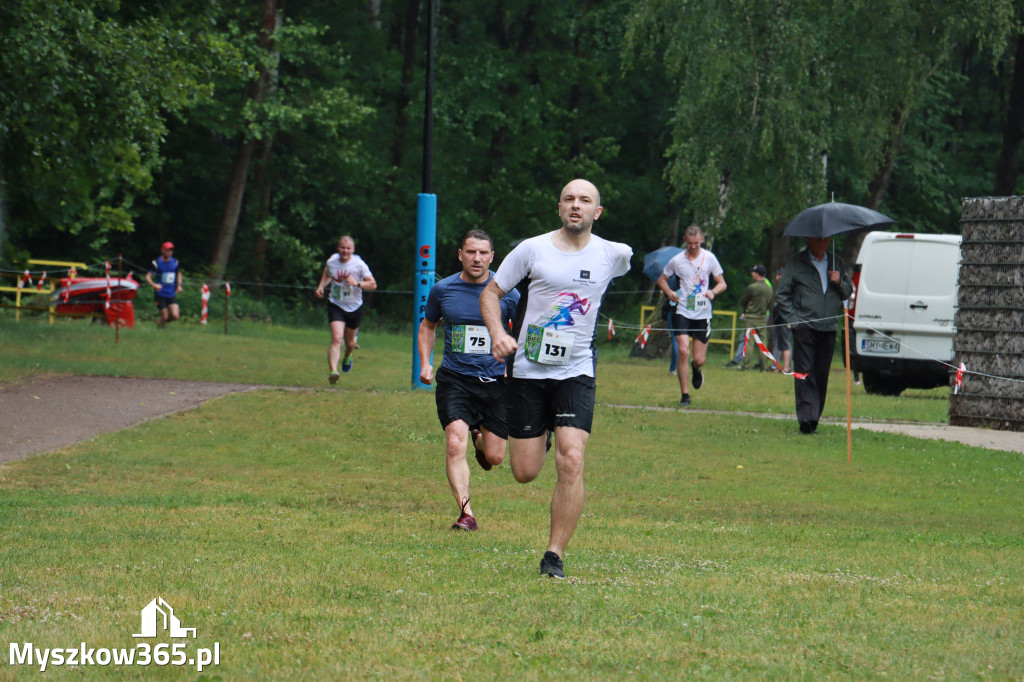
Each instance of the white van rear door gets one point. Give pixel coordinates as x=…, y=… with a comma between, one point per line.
x=931, y=292
x=881, y=296
x=907, y=292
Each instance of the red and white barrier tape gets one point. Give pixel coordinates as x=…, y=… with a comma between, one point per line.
x=72, y=273
x=108, y=285
x=643, y=336
x=206, y=307
x=959, y=378
x=39, y=284
x=764, y=351
x=27, y=277
x=611, y=329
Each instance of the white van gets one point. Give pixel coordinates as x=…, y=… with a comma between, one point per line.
x=906, y=288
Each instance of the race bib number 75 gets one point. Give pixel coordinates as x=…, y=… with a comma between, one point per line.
x=471, y=338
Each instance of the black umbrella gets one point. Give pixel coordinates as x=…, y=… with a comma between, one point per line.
x=655, y=261
x=825, y=220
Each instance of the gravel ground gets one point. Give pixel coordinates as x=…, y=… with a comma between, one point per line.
x=53, y=412
x=1010, y=441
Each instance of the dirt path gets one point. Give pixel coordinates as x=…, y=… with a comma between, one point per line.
x=1010, y=441
x=53, y=412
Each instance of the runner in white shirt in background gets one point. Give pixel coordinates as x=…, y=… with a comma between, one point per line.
x=562, y=276
x=695, y=267
x=348, y=276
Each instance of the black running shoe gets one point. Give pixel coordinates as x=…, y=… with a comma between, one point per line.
x=685, y=400
x=551, y=565
x=481, y=458
x=698, y=377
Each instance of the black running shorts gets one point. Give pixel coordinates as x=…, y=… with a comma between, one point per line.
x=478, y=401
x=351, y=319
x=539, y=405
x=699, y=330
x=164, y=301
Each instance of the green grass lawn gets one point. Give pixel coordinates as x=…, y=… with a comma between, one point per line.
x=306, y=533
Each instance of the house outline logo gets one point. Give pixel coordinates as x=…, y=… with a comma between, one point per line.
x=158, y=610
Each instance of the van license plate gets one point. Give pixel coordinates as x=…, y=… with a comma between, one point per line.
x=880, y=346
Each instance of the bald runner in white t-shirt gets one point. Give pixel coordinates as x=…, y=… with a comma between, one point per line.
x=562, y=277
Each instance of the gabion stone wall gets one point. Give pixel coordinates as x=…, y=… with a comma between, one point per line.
x=989, y=318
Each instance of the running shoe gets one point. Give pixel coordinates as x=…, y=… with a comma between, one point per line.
x=551, y=565
x=466, y=521
x=685, y=400
x=333, y=378
x=346, y=364
x=698, y=377
x=481, y=458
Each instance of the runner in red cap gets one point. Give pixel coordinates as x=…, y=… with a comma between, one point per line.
x=167, y=268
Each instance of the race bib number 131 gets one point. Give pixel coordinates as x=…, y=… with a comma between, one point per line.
x=547, y=346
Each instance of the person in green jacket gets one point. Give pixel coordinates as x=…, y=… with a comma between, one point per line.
x=810, y=299
x=755, y=302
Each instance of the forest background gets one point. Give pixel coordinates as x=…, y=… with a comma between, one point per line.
x=253, y=134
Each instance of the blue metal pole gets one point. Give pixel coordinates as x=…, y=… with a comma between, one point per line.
x=423, y=279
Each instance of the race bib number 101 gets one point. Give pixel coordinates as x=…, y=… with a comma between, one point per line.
x=547, y=346
x=696, y=302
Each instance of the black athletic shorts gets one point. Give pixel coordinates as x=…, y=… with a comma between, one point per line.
x=700, y=330
x=351, y=319
x=164, y=301
x=478, y=401
x=539, y=405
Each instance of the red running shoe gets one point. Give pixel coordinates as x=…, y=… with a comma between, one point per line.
x=466, y=521
x=481, y=458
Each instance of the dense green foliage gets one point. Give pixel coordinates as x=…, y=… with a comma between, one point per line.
x=121, y=123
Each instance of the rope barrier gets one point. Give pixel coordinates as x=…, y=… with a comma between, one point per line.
x=961, y=370
x=27, y=275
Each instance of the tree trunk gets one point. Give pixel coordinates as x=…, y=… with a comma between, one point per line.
x=263, y=185
x=880, y=183
x=236, y=189
x=375, y=13
x=1013, y=132
x=576, y=90
x=780, y=248
x=404, y=97
x=3, y=202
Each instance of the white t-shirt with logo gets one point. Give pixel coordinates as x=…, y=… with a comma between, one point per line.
x=562, y=298
x=694, y=280
x=345, y=296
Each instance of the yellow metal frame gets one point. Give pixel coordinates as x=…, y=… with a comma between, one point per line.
x=648, y=312
x=72, y=266
x=644, y=319
x=731, y=341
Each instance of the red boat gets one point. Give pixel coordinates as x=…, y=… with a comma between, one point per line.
x=89, y=296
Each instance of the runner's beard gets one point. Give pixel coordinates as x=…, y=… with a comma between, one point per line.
x=578, y=228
